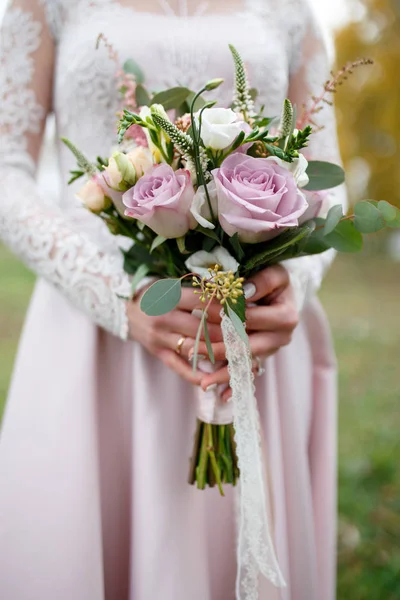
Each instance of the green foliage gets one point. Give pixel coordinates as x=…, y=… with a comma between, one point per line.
x=345, y=238
x=286, y=123
x=334, y=215
x=368, y=218
x=323, y=175
x=172, y=98
x=131, y=67
x=157, y=242
x=83, y=163
x=140, y=273
x=162, y=297
x=142, y=96
x=237, y=323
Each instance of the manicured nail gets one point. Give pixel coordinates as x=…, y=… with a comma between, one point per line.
x=212, y=387
x=249, y=290
x=198, y=313
x=199, y=356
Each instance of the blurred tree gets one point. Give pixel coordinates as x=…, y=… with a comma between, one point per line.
x=368, y=104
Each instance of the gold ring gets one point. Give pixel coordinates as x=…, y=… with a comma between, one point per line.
x=179, y=345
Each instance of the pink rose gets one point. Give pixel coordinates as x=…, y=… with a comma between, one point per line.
x=256, y=198
x=317, y=202
x=162, y=199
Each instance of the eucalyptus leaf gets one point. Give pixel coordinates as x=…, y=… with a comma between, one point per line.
x=388, y=211
x=367, y=218
x=335, y=214
x=239, y=308
x=208, y=342
x=157, y=242
x=142, y=96
x=323, y=175
x=162, y=297
x=141, y=272
x=197, y=341
x=130, y=66
x=345, y=238
x=238, y=325
x=172, y=98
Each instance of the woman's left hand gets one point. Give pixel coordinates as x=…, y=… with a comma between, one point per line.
x=270, y=323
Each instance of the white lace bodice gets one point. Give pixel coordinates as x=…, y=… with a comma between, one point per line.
x=48, y=62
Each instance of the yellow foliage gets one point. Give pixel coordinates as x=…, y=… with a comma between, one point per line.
x=368, y=104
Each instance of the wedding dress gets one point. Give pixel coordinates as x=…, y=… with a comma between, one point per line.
x=97, y=433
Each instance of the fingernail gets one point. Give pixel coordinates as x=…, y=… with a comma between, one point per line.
x=249, y=290
x=198, y=313
x=199, y=356
x=212, y=387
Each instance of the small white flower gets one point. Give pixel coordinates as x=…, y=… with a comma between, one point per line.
x=200, y=209
x=298, y=168
x=219, y=127
x=200, y=262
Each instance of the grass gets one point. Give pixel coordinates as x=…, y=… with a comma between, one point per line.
x=361, y=296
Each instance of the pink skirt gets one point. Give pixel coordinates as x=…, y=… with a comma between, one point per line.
x=95, y=443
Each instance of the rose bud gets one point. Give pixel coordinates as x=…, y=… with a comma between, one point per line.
x=93, y=197
x=142, y=160
x=121, y=173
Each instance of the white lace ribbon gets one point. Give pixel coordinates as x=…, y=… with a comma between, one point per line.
x=255, y=549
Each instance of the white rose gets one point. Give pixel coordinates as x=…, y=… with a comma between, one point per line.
x=298, y=168
x=200, y=262
x=142, y=160
x=93, y=196
x=219, y=127
x=200, y=208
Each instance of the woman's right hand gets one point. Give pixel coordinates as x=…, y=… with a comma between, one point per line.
x=161, y=335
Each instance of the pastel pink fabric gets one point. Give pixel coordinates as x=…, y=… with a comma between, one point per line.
x=94, y=503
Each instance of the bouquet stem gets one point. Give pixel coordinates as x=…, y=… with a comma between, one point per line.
x=214, y=459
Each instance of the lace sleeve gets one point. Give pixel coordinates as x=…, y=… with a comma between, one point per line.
x=40, y=235
x=310, y=69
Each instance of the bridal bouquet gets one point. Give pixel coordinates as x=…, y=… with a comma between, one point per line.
x=209, y=196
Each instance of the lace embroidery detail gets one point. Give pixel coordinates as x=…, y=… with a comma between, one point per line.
x=20, y=112
x=49, y=246
x=44, y=239
x=255, y=549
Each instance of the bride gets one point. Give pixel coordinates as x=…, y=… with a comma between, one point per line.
x=97, y=431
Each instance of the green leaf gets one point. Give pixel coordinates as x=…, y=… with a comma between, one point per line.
x=367, y=218
x=180, y=242
x=335, y=214
x=142, y=96
x=130, y=66
x=197, y=341
x=345, y=238
x=141, y=272
x=323, y=175
x=239, y=308
x=388, y=211
x=157, y=242
x=162, y=297
x=172, y=98
x=236, y=245
x=238, y=325
x=209, y=233
x=316, y=241
x=277, y=246
x=208, y=342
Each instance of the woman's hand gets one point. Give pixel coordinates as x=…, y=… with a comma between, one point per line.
x=270, y=324
x=161, y=336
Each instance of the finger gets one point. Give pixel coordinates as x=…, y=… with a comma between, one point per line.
x=276, y=317
x=190, y=301
x=180, y=366
x=222, y=377
x=265, y=344
x=186, y=324
x=267, y=282
x=227, y=395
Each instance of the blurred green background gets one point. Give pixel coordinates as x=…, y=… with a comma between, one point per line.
x=361, y=295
